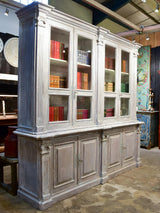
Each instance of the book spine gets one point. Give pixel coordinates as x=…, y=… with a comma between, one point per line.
x=79, y=114
x=85, y=113
x=85, y=79
x=61, y=113
x=56, y=80
x=79, y=80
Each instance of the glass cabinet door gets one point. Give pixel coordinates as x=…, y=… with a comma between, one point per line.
x=109, y=80
x=59, y=75
x=84, y=77
x=125, y=72
x=124, y=106
x=84, y=63
x=59, y=60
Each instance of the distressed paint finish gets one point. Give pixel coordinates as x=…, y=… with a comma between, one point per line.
x=59, y=159
x=149, y=130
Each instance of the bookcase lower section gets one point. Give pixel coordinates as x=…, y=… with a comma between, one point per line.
x=54, y=168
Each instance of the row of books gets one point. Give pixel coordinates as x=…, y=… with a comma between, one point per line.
x=82, y=80
x=83, y=57
x=82, y=113
x=109, y=86
x=109, y=112
x=124, y=87
x=58, y=51
x=57, y=81
x=110, y=63
x=56, y=113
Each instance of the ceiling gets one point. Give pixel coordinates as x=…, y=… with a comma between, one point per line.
x=135, y=11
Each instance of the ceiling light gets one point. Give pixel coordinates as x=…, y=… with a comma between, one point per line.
x=157, y=8
x=6, y=12
x=147, y=38
x=143, y=0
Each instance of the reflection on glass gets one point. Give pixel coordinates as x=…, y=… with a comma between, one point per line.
x=125, y=72
x=58, y=108
x=83, y=107
x=84, y=63
x=124, y=106
x=109, y=107
x=59, y=57
x=109, y=83
x=9, y=104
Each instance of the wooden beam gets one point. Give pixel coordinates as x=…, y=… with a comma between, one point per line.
x=152, y=28
x=104, y=9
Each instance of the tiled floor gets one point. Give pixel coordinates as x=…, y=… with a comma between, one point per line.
x=135, y=191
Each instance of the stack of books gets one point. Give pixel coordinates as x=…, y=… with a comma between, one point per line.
x=57, y=81
x=82, y=80
x=110, y=63
x=82, y=113
x=109, y=86
x=57, y=50
x=109, y=112
x=83, y=57
x=124, y=87
x=56, y=113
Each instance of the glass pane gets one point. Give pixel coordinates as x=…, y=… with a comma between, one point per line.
x=125, y=72
x=59, y=57
x=109, y=83
x=83, y=107
x=84, y=63
x=109, y=107
x=58, y=108
x=124, y=106
x=9, y=104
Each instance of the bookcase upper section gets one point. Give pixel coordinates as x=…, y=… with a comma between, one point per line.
x=72, y=75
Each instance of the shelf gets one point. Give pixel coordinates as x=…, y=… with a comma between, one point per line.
x=80, y=65
x=109, y=70
x=124, y=73
x=59, y=62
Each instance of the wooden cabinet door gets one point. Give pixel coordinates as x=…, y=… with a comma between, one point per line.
x=129, y=144
x=65, y=163
x=88, y=159
x=114, y=152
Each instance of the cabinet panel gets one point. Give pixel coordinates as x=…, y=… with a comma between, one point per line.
x=64, y=164
x=114, y=155
x=88, y=158
x=129, y=145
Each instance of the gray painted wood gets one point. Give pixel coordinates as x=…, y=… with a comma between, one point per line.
x=59, y=159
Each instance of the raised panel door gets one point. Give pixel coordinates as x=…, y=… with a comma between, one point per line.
x=114, y=152
x=88, y=160
x=129, y=141
x=65, y=165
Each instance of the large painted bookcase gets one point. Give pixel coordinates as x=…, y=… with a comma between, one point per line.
x=77, y=123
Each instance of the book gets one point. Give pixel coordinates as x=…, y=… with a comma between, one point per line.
x=55, y=81
x=79, y=80
x=56, y=113
x=85, y=81
x=51, y=113
x=62, y=82
x=124, y=65
x=61, y=113
x=82, y=113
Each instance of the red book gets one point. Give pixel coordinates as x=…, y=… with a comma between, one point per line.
x=51, y=113
x=57, y=49
x=61, y=113
x=85, y=113
x=79, y=80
